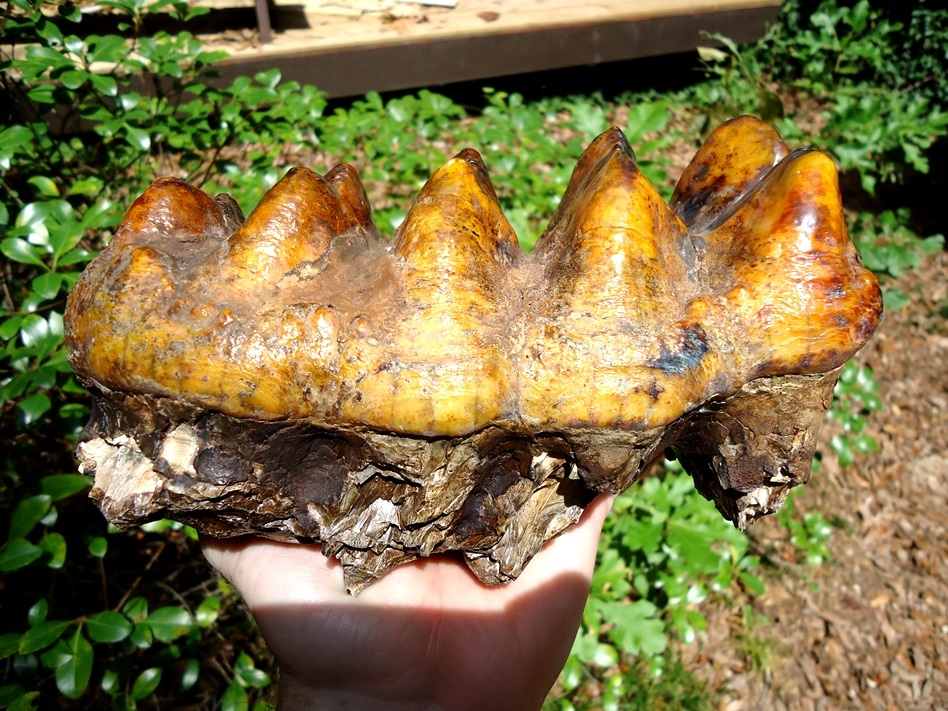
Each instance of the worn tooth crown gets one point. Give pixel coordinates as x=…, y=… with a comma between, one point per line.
x=451, y=258
x=612, y=253
x=733, y=159
x=611, y=329
x=633, y=326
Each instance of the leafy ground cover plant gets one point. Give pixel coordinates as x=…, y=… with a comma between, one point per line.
x=664, y=552
x=856, y=397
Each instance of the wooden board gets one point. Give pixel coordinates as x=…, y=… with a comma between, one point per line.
x=350, y=54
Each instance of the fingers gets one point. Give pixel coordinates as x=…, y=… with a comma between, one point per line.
x=267, y=572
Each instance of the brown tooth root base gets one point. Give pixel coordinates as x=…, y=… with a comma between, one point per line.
x=295, y=375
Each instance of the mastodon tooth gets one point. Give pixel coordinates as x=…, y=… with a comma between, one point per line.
x=299, y=376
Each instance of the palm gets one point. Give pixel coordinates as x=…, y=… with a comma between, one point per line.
x=428, y=635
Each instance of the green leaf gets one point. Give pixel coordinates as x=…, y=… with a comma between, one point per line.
x=49, y=32
x=43, y=635
x=864, y=444
x=109, y=48
x=894, y=299
x=146, y=683
x=70, y=12
x=111, y=681
x=19, y=250
x=75, y=256
x=169, y=623
x=72, y=676
x=16, y=136
x=247, y=674
x=645, y=118
x=589, y=650
x=141, y=636
x=98, y=546
x=753, y=583
x=235, y=698
x=9, y=643
x=269, y=78
x=18, y=553
x=43, y=94
x=47, y=285
x=932, y=245
x=29, y=512
x=54, y=545
x=692, y=539
x=99, y=215
x=636, y=628
x=33, y=330
x=49, y=57
x=74, y=78
x=89, y=185
x=34, y=407
x=45, y=186
x=58, y=654
x=207, y=611
x=104, y=84
x=138, y=138
x=108, y=626
x=611, y=576
x=136, y=608
x=62, y=486
x=190, y=675
x=10, y=327
x=15, y=698
x=572, y=674
x=26, y=666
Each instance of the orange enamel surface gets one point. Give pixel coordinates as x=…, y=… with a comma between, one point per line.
x=733, y=159
x=628, y=313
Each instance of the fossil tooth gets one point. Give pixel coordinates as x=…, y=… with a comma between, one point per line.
x=795, y=274
x=294, y=224
x=736, y=156
x=297, y=376
x=611, y=253
x=452, y=255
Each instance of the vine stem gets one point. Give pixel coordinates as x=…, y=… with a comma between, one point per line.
x=138, y=580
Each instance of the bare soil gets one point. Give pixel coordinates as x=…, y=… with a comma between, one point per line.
x=869, y=628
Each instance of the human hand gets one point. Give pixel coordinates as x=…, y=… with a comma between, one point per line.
x=428, y=635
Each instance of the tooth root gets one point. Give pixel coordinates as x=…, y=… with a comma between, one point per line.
x=729, y=163
x=613, y=249
x=453, y=253
x=294, y=223
x=796, y=277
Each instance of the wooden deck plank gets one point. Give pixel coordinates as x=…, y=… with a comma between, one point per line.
x=480, y=39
